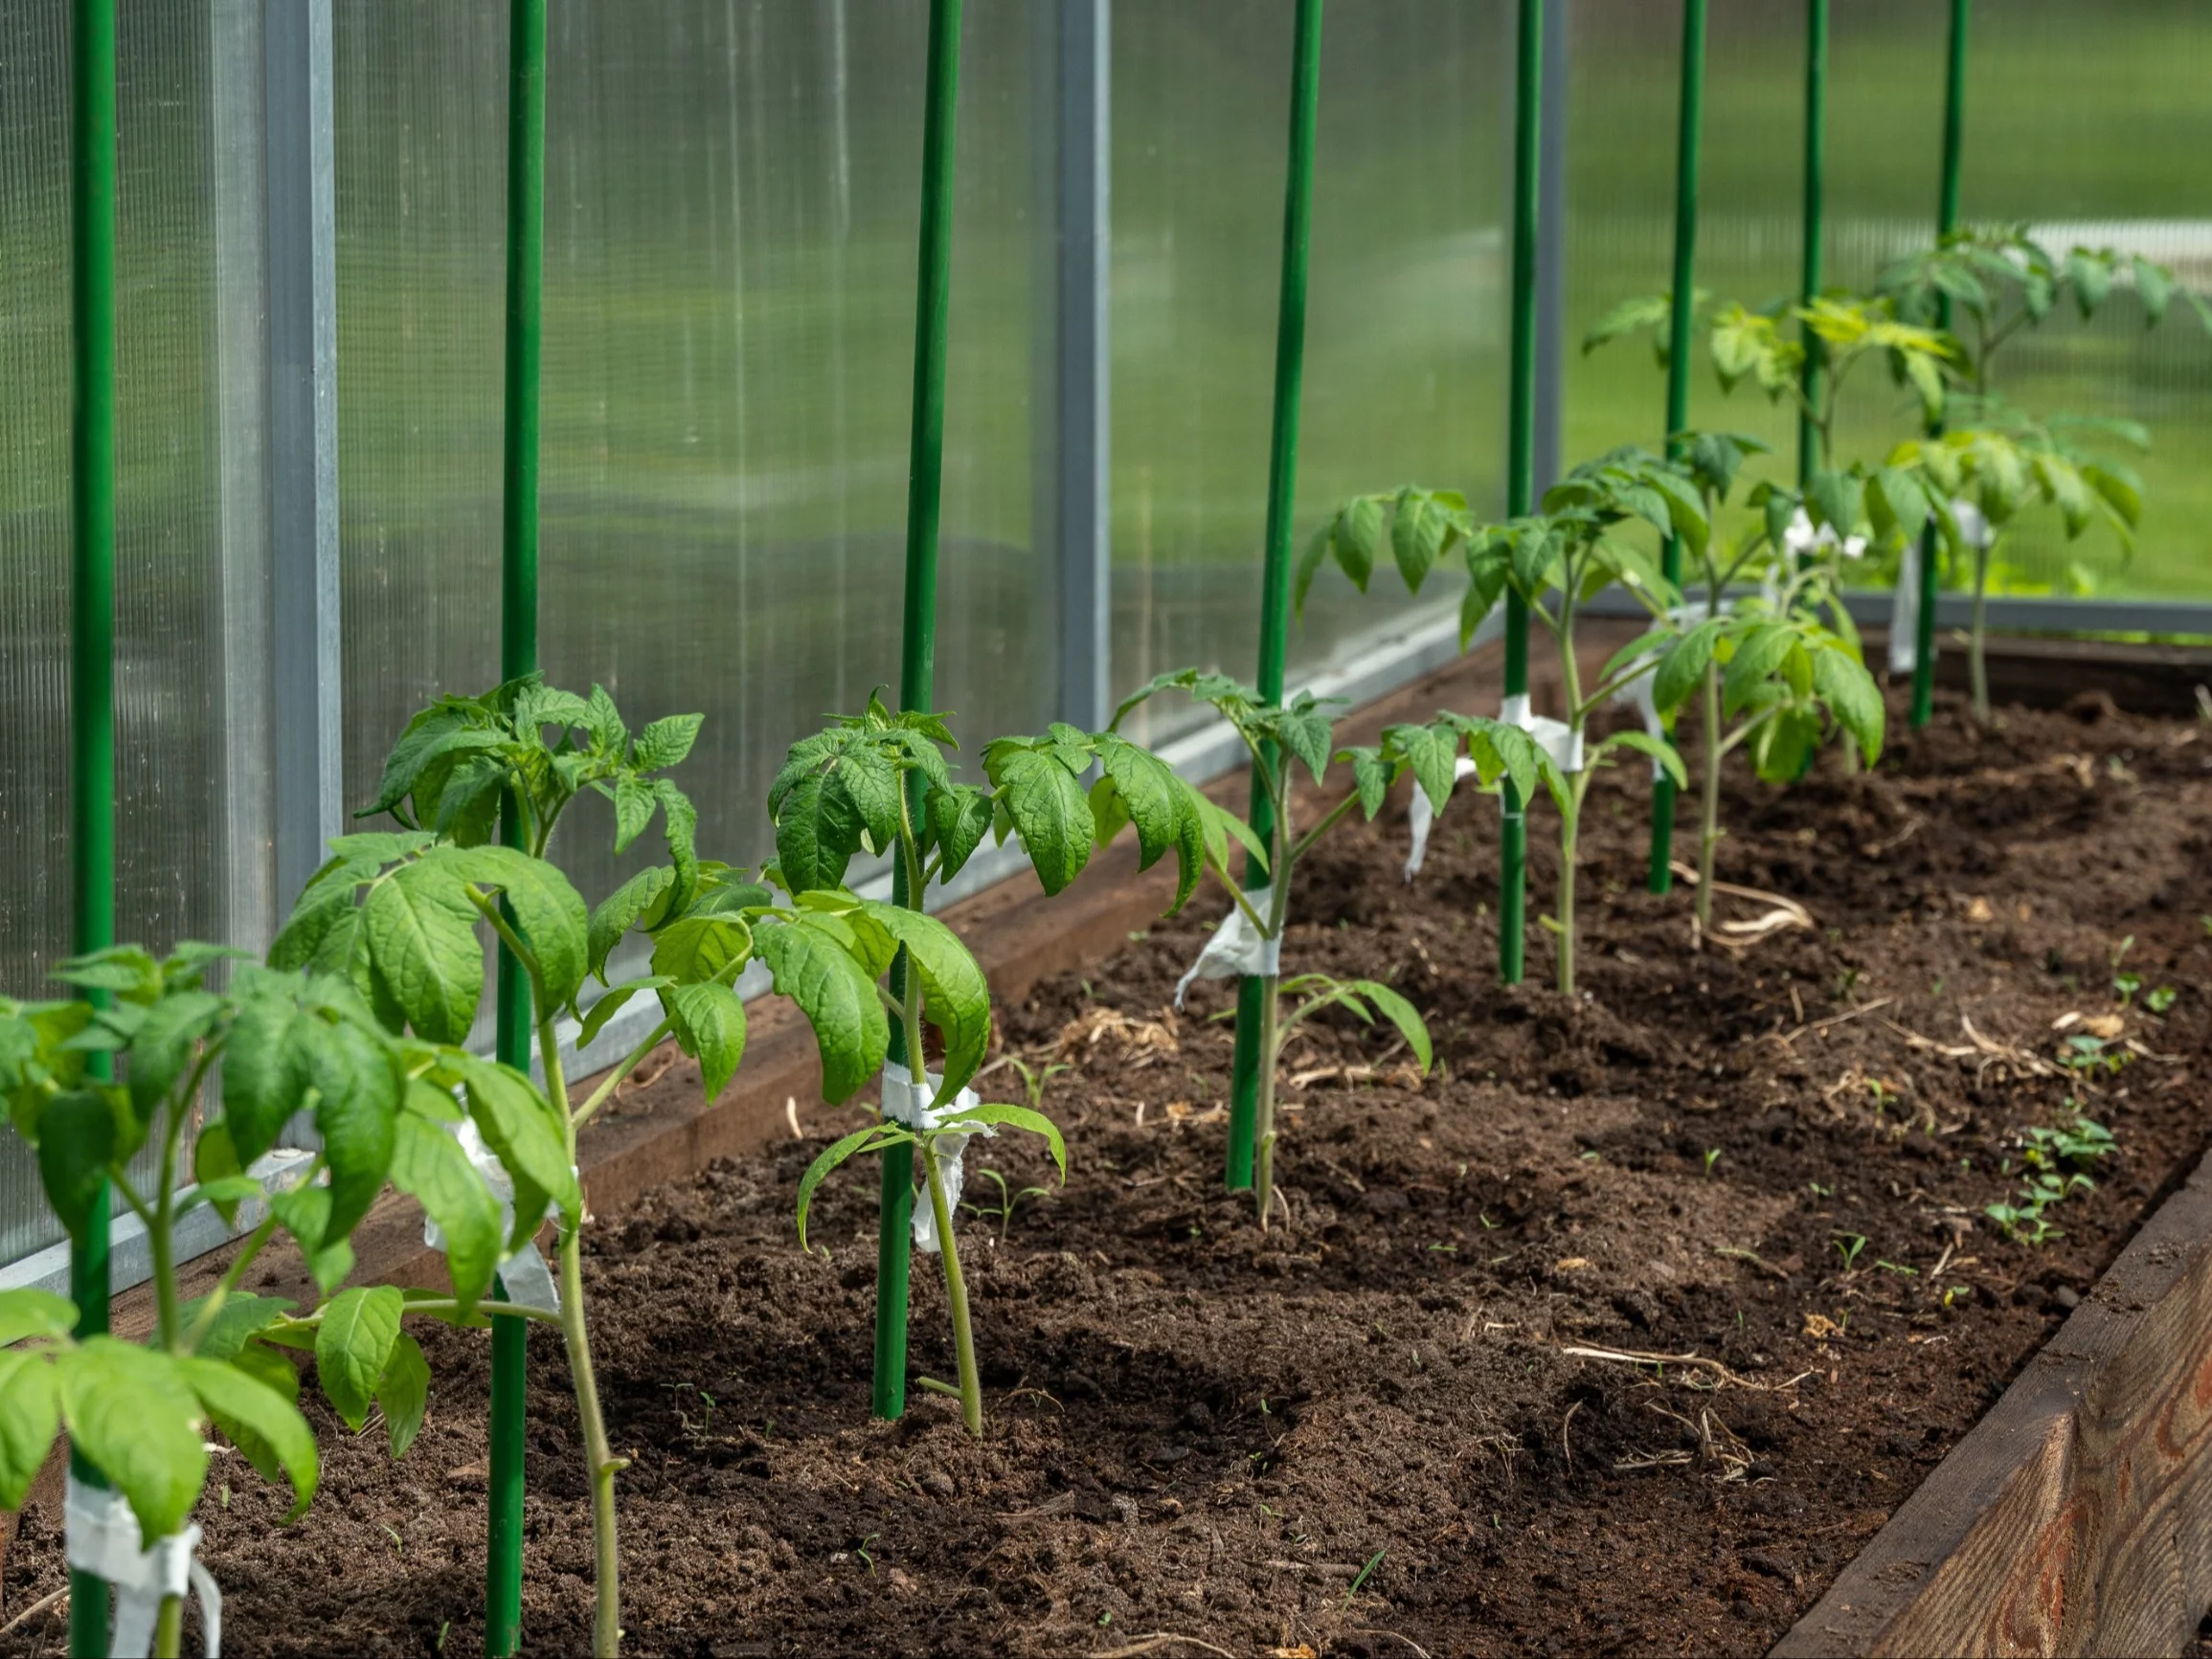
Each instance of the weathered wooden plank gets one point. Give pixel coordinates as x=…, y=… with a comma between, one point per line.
x=2077, y=1516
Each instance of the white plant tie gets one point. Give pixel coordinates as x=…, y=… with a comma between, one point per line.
x=523, y=1275
x=1974, y=529
x=1905, y=614
x=906, y=1102
x=1237, y=950
x=102, y=1538
x=1562, y=742
x=1423, y=813
x=1801, y=538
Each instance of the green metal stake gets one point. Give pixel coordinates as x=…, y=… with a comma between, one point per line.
x=1815, y=216
x=919, y=641
x=1946, y=221
x=1682, y=323
x=92, y=638
x=1290, y=353
x=1520, y=462
x=517, y=655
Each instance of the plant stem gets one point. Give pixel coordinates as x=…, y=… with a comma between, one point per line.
x=169, y=1628
x=1709, y=819
x=955, y=1293
x=616, y=1078
x=1569, y=831
x=229, y=1282
x=1263, y=1119
x=600, y=1462
x=1976, y=660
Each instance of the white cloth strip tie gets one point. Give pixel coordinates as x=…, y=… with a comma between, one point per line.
x=1237, y=949
x=1905, y=614
x=908, y=1103
x=1423, y=813
x=523, y=1275
x=1801, y=538
x=102, y=1538
x=1558, y=739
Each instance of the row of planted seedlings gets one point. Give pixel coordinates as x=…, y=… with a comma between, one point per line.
x=360, y=1015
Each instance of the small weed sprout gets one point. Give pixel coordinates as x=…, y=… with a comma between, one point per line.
x=2056, y=1164
x=1035, y=1079
x=2160, y=998
x=1009, y=1198
x=1848, y=1246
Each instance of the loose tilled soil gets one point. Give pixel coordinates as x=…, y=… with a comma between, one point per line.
x=1368, y=1431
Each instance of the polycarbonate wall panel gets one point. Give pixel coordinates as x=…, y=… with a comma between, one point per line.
x=2084, y=123
x=186, y=864
x=1406, y=325
x=733, y=203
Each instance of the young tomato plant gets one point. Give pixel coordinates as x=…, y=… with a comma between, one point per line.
x=400, y=915
x=1249, y=942
x=879, y=782
x=281, y=1043
x=1555, y=560
x=1770, y=674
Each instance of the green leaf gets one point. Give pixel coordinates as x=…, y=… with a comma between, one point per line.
x=133, y=1416
x=830, y=1156
x=1222, y=824
x=1013, y=1117
x=613, y=1002
x=264, y=1072
x=1682, y=667
x=523, y=1132
x=2091, y=272
x=261, y=1423
x=1834, y=498
x=665, y=742
x=1759, y=652
x=359, y=1088
x=548, y=912
x=839, y=1001
x=1310, y=557
x=2120, y=492
x=711, y=1028
x=1842, y=683
x=1433, y=755
x=1160, y=805
x=2154, y=288
x=77, y=1141
x=30, y=1417
x=162, y=1047
x=1049, y=810
x=429, y=1166
x=1306, y=733
x=242, y=1315
x=702, y=947
x=1658, y=748
x=1371, y=777
x=871, y=782
x=1403, y=1014
x=434, y=734
x=1359, y=538
x=628, y=906
x=956, y=996
x=28, y=1313
x=303, y=1212
x=1420, y=530
x=634, y=800
x=421, y=931
x=404, y=1389
x=960, y=817
x=817, y=833
x=680, y=827
x=354, y=1344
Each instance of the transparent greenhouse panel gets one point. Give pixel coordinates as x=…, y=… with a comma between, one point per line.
x=733, y=202
x=192, y=834
x=2082, y=122
x=1405, y=342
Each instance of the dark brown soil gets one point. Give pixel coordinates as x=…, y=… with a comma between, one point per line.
x=1198, y=1428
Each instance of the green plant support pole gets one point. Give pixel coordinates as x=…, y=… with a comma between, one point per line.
x=918, y=638
x=1520, y=462
x=1282, y=459
x=517, y=655
x=1682, y=323
x=92, y=634
x=1946, y=221
x=1815, y=215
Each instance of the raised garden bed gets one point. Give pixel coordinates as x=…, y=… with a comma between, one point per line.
x=1198, y=1429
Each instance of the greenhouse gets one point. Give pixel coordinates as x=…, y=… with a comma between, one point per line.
x=1389, y=827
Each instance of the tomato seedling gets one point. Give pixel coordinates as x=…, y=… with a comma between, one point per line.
x=1556, y=560
x=399, y=914
x=1249, y=942
x=281, y=1044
